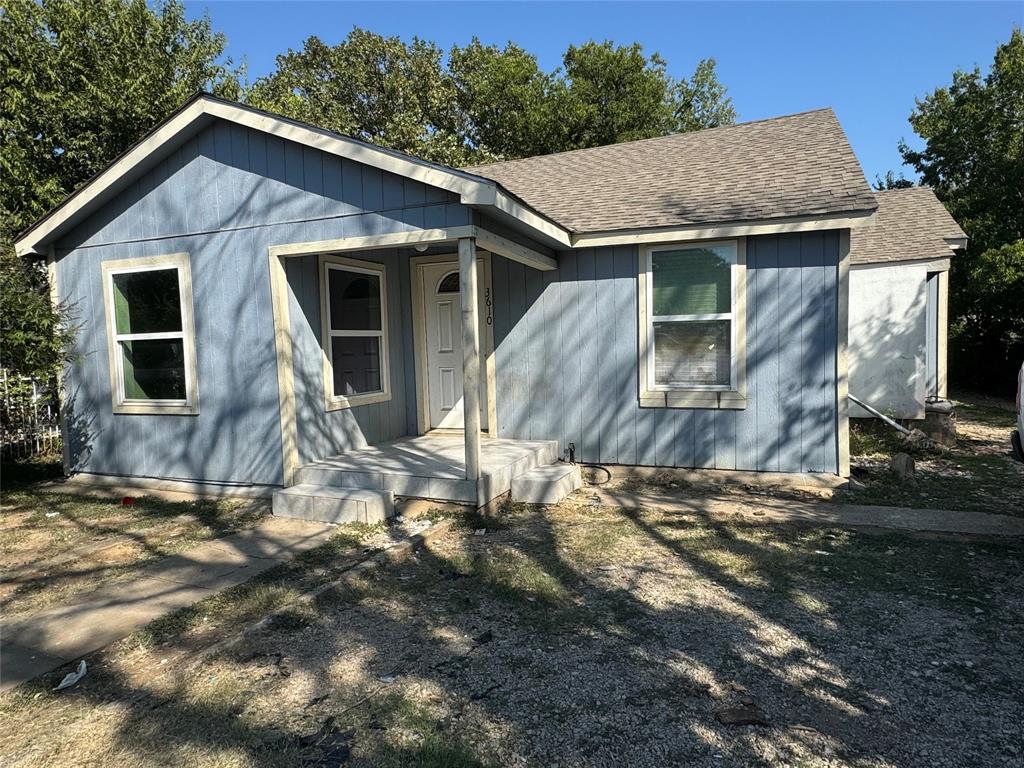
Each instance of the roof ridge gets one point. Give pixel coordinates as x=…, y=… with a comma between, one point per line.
x=915, y=188
x=700, y=131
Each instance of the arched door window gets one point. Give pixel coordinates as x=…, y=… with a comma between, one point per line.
x=449, y=283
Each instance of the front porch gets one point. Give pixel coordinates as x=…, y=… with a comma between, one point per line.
x=380, y=338
x=361, y=485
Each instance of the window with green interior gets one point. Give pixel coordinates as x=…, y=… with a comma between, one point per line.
x=152, y=350
x=691, y=328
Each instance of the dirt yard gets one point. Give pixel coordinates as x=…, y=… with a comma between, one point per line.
x=977, y=474
x=586, y=636
x=54, y=546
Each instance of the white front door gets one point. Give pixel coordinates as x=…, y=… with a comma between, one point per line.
x=443, y=332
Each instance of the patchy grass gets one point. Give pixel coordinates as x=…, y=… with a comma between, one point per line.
x=575, y=635
x=977, y=474
x=54, y=546
x=265, y=593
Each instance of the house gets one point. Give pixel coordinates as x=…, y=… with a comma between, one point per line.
x=263, y=303
x=899, y=293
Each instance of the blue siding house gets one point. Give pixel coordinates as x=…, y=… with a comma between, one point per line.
x=263, y=304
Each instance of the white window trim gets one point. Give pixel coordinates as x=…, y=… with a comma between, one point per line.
x=334, y=402
x=730, y=396
x=190, y=405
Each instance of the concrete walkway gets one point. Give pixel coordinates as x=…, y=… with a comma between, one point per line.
x=38, y=643
x=764, y=509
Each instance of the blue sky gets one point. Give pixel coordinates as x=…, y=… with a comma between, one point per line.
x=868, y=61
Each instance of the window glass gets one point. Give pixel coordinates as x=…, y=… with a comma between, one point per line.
x=148, y=336
x=356, y=363
x=355, y=342
x=449, y=283
x=154, y=369
x=692, y=281
x=692, y=353
x=147, y=302
x=355, y=300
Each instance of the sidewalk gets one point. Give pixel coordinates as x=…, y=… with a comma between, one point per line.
x=768, y=509
x=46, y=640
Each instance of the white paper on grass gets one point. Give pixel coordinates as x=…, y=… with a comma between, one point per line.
x=73, y=677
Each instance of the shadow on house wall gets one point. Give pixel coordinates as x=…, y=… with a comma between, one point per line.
x=568, y=351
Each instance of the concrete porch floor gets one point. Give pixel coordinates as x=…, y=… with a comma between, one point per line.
x=431, y=467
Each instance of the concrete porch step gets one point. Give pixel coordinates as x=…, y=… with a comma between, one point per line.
x=330, y=504
x=430, y=467
x=546, y=485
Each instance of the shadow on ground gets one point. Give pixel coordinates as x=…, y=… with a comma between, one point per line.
x=590, y=636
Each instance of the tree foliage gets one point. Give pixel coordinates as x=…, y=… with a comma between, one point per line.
x=35, y=336
x=892, y=181
x=974, y=159
x=375, y=88
x=485, y=102
x=83, y=80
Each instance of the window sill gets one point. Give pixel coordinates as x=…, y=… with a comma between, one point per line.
x=341, y=403
x=157, y=409
x=689, y=398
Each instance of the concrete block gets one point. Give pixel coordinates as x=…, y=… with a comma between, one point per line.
x=343, y=478
x=408, y=485
x=546, y=485
x=449, y=489
x=332, y=504
x=940, y=422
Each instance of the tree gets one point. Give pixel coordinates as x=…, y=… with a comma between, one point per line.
x=701, y=101
x=508, y=106
x=83, y=80
x=891, y=181
x=486, y=102
x=974, y=160
x=35, y=334
x=616, y=94
x=374, y=88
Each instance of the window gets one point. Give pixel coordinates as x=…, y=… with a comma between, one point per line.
x=692, y=321
x=355, y=332
x=152, y=351
x=449, y=283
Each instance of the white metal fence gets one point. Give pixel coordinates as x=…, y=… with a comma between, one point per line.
x=29, y=417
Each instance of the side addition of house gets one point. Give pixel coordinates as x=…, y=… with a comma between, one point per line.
x=899, y=294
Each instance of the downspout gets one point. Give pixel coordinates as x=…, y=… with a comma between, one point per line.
x=880, y=415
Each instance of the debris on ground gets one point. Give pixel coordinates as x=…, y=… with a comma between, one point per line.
x=330, y=747
x=748, y=714
x=73, y=677
x=918, y=440
x=279, y=663
x=484, y=637
x=902, y=465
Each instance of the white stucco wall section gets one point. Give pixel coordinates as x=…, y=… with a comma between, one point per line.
x=887, y=338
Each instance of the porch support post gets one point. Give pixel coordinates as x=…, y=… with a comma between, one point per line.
x=470, y=355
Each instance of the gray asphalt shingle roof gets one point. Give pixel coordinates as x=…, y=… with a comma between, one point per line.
x=796, y=165
x=910, y=224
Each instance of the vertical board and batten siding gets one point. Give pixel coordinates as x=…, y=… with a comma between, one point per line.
x=567, y=357
x=323, y=433
x=224, y=197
